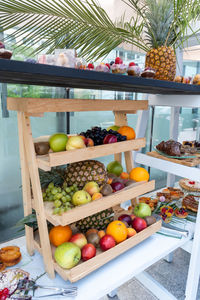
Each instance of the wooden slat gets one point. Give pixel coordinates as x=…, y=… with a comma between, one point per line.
x=83, y=211
x=40, y=105
x=37, y=194
x=45, y=162
x=85, y=268
x=190, y=162
x=26, y=188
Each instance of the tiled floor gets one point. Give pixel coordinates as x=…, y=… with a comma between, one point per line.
x=172, y=276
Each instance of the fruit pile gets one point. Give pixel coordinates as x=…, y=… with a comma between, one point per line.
x=92, y=137
x=88, y=181
x=103, y=136
x=71, y=248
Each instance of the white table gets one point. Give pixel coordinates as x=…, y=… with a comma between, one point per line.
x=113, y=274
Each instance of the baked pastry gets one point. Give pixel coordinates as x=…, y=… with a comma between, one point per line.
x=151, y=202
x=10, y=255
x=189, y=185
x=181, y=213
x=171, y=193
x=2, y=266
x=166, y=213
x=171, y=148
x=190, y=203
x=9, y=279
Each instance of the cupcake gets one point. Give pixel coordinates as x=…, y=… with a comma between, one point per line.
x=196, y=79
x=102, y=68
x=90, y=67
x=6, y=54
x=133, y=70
x=148, y=73
x=119, y=68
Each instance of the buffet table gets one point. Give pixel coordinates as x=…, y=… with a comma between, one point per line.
x=143, y=255
x=110, y=276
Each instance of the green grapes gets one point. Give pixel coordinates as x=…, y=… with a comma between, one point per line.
x=60, y=196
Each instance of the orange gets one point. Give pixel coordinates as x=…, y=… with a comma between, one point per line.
x=60, y=234
x=118, y=230
x=139, y=174
x=128, y=131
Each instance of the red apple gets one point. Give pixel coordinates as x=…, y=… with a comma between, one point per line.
x=139, y=224
x=107, y=242
x=109, y=139
x=88, y=251
x=79, y=239
x=131, y=64
x=126, y=218
x=117, y=186
x=118, y=60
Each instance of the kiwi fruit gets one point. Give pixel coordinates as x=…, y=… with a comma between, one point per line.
x=93, y=238
x=150, y=220
x=41, y=148
x=106, y=189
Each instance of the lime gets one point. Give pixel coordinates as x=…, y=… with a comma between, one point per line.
x=58, y=142
x=115, y=167
x=114, y=127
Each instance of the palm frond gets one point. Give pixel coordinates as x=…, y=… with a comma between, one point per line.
x=84, y=25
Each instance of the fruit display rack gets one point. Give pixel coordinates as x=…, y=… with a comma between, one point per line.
x=30, y=163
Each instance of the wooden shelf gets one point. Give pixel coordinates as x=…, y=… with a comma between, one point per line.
x=190, y=162
x=46, y=162
x=19, y=72
x=91, y=208
x=101, y=258
x=38, y=106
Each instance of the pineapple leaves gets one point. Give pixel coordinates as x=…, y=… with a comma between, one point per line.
x=85, y=25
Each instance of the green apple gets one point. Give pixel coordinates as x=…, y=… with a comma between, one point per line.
x=67, y=255
x=113, y=127
x=81, y=197
x=142, y=210
x=115, y=167
x=58, y=141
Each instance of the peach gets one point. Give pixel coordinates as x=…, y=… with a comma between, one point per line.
x=124, y=175
x=101, y=233
x=89, y=142
x=91, y=188
x=130, y=232
x=96, y=196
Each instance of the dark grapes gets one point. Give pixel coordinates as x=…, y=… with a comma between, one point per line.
x=97, y=134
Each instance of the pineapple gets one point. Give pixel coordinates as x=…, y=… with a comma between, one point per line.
x=80, y=173
x=98, y=221
x=161, y=57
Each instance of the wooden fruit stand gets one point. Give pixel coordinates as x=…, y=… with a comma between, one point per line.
x=30, y=163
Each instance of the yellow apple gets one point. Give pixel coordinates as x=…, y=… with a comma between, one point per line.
x=75, y=142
